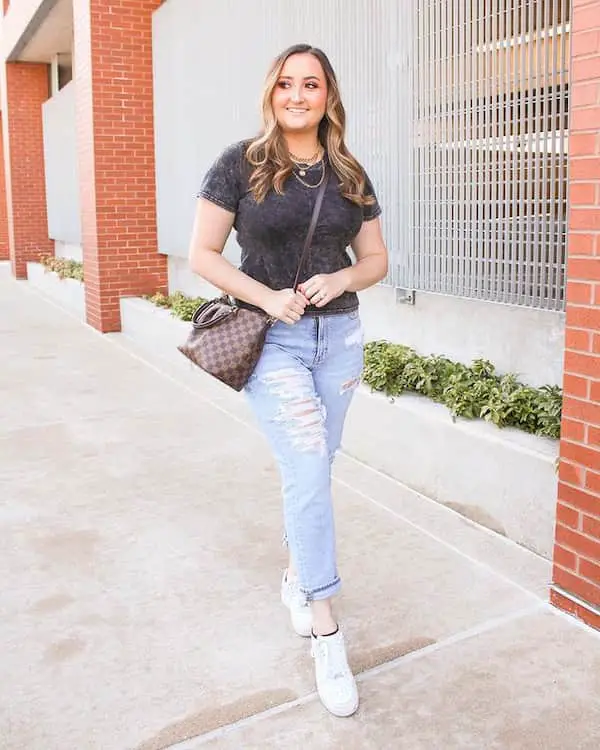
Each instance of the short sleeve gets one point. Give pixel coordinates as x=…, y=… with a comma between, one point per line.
x=222, y=183
x=373, y=210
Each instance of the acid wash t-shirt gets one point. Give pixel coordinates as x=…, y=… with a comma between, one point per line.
x=272, y=234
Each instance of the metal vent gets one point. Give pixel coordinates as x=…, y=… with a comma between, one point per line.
x=490, y=119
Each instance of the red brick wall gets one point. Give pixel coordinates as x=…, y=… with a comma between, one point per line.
x=115, y=130
x=26, y=90
x=4, y=249
x=577, y=550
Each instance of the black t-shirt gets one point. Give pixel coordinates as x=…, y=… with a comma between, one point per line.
x=272, y=234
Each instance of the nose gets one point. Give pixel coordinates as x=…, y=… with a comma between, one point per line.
x=296, y=94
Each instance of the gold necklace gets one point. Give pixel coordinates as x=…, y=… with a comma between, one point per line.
x=304, y=165
x=306, y=184
x=310, y=160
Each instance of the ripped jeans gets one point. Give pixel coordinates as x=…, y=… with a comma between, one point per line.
x=300, y=392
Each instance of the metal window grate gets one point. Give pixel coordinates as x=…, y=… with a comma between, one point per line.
x=490, y=150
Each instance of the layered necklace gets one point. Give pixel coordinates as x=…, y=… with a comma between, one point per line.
x=303, y=165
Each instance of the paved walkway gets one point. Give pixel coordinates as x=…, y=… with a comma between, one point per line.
x=140, y=569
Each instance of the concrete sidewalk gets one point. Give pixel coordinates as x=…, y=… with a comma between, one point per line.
x=140, y=519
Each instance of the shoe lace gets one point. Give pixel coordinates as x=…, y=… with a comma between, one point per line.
x=334, y=658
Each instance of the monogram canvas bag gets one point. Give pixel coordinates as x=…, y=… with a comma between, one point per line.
x=226, y=340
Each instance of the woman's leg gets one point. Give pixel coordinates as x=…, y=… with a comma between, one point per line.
x=282, y=394
x=301, y=390
x=336, y=378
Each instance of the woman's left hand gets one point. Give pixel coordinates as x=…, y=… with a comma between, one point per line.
x=324, y=287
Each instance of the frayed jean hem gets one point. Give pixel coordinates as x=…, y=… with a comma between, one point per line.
x=324, y=592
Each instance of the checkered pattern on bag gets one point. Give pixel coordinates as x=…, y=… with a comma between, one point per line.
x=230, y=349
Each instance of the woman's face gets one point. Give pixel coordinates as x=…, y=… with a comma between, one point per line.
x=299, y=98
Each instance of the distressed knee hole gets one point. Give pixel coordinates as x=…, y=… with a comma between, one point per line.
x=301, y=413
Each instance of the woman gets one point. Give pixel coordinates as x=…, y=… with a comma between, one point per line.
x=313, y=357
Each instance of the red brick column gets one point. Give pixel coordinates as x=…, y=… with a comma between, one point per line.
x=4, y=247
x=26, y=90
x=115, y=130
x=576, y=572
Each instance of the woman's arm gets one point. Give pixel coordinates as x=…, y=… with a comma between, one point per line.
x=371, y=266
x=212, y=226
x=371, y=258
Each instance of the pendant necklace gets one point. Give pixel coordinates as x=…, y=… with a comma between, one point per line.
x=299, y=175
x=305, y=164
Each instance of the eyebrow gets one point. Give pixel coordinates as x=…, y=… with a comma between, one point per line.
x=306, y=78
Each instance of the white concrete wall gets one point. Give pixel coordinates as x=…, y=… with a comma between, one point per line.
x=68, y=250
x=521, y=340
x=60, y=156
x=181, y=279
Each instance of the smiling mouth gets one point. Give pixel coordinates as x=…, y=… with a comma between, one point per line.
x=296, y=111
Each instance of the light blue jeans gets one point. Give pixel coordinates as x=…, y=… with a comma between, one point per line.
x=300, y=392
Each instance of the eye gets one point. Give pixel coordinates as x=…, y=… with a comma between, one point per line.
x=312, y=85
x=283, y=84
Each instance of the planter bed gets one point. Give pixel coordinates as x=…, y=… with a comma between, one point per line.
x=68, y=293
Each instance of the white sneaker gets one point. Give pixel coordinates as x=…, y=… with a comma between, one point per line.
x=299, y=607
x=335, y=682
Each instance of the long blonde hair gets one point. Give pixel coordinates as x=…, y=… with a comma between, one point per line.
x=269, y=156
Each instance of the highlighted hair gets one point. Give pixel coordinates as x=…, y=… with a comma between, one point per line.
x=269, y=156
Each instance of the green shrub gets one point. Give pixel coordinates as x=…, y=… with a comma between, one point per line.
x=180, y=306
x=475, y=392
x=64, y=268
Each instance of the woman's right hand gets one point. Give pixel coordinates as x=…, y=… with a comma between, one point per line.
x=285, y=305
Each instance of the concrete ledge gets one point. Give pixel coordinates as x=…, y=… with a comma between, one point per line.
x=68, y=293
x=504, y=480
x=152, y=326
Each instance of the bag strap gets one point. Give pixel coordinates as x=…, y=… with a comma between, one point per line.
x=313, y=225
